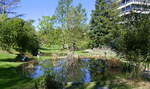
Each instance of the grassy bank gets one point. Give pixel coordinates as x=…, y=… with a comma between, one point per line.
x=48, y=53
x=9, y=76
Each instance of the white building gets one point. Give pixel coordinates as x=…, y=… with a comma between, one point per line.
x=137, y=6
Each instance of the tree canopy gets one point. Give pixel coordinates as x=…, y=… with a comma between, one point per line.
x=18, y=34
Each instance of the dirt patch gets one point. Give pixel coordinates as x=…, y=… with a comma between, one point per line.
x=136, y=84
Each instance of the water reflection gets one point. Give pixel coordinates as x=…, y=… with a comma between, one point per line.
x=37, y=72
x=87, y=76
x=85, y=70
x=90, y=72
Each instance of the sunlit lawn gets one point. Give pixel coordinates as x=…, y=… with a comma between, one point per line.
x=48, y=52
x=57, y=50
x=9, y=76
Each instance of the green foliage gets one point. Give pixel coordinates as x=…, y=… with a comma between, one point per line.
x=135, y=40
x=61, y=11
x=46, y=23
x=65, y=28
x=76, y=17
x=19, y=34
x=75, y=21
x=3, y=17
x=48, y=82
x=47, y=33
x=77, y=38
x=55, y=37
x=72, y=21
x=8, y=35
x=104, y=23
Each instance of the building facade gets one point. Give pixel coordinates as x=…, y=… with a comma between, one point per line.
x=137, y=6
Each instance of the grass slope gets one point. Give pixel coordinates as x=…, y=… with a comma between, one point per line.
x=9, y=76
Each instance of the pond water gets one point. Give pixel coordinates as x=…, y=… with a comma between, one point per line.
x=84, y=70
x=79, y=72
x=75, y=71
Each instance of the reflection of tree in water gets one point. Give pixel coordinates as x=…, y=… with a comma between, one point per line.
x=72, y=69
x=99, y=72
x=26, y=69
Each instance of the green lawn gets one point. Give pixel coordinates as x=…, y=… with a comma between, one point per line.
x=6, y=56
x=10, y=78
x=47, y=53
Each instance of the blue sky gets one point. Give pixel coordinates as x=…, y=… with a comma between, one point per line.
x=35, y=9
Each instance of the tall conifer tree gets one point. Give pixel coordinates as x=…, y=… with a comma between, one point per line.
x=103, y=23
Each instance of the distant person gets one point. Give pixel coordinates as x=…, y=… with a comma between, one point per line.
x=38, y=55
x=23, y=57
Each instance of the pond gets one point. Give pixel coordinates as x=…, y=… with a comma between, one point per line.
x=75, y=71
x=84, y=70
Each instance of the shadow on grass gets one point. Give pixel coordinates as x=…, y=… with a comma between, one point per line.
x=99, y=85
x=8, y=60
x=18, y=58
x=45, y=49
x=11, y=79
x=49, y=49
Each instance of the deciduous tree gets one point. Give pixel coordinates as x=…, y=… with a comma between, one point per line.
x=7, y=7
x=18, y=34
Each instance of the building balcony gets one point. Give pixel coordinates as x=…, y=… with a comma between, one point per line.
x=137, y=10
x=130, y=2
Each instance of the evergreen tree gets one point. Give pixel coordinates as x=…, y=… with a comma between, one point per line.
x=104, y=23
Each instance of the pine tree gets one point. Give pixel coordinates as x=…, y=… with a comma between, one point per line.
x=103, y=23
